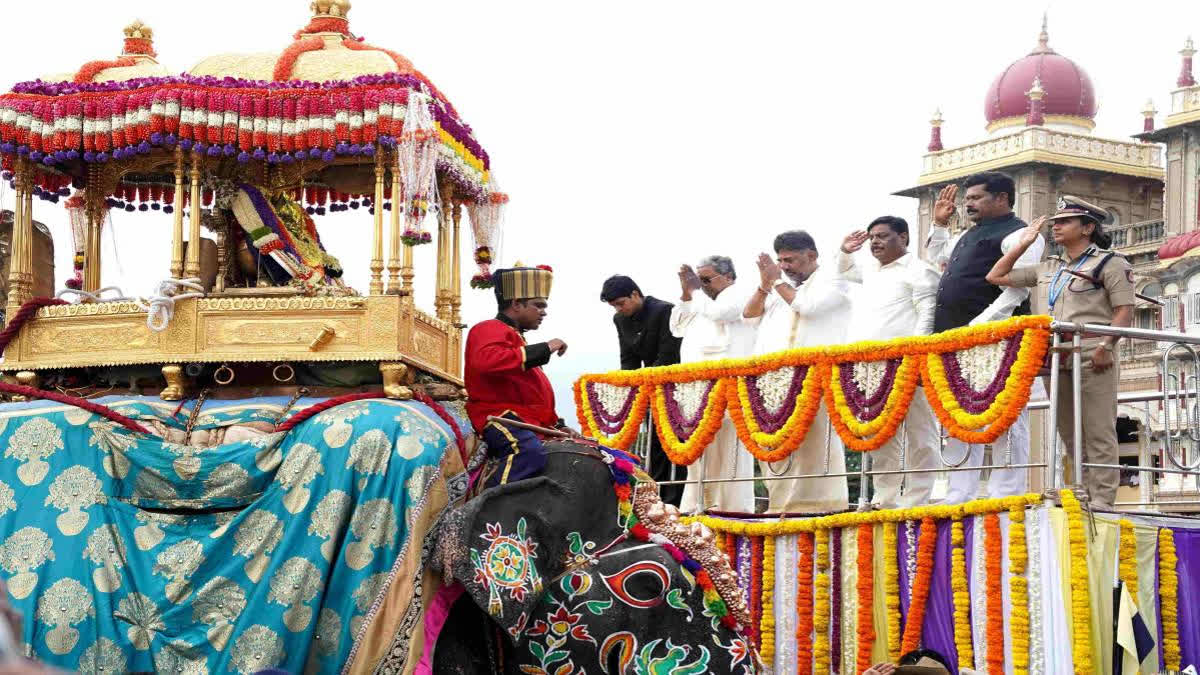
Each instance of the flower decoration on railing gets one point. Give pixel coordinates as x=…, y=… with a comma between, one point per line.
x=977, y=379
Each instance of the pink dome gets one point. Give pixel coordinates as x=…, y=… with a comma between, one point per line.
x=1068, y=88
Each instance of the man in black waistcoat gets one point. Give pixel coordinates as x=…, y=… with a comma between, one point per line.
x=965, y=298
x=644, y=333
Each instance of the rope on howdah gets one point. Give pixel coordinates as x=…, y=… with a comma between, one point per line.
x=22, y=315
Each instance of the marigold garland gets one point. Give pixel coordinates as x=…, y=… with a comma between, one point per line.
x=773, y=447
x=1127, y=554
x=686, y=451
x=891, y=580
x=804, y=604
x=630, y=428
x=821, y=606
x=915, y=621
x=962, y=595
x=1168, y=592
x=871, y=435
x=1081, y=606
x=767, y=623
x=995, y=603
x=1018, y=561
x=866, y=595
x=756, y=562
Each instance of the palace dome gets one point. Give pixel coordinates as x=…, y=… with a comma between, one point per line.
x=1070, y=101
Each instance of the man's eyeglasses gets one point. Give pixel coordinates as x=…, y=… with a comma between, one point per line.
x=707, y=280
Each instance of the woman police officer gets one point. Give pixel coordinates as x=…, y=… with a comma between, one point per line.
x=1085, y=284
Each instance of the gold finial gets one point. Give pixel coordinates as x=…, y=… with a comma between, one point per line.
x=1043, y=46
x=1189, y=48
x=139, y=31
x=1149, y=110
x=337, y=9
x=1036, y=93
x=937, y=118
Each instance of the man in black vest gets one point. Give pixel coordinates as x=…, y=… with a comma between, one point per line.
x=965, y=299
x=644, y=333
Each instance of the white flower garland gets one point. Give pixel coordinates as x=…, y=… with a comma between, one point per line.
x=690, y=397
x=980, y=364
x=978, y=613
x=1033, y=572
x=868, y=375
x=774, y=385
x=610, y=397
x=910, y=555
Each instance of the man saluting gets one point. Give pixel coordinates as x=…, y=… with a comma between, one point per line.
x=504, y=374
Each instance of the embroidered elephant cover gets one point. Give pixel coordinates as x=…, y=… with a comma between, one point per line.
x=127, y=552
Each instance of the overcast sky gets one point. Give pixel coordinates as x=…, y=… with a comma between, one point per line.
x=636, y=135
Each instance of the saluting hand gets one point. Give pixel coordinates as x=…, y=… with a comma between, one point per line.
x=854, y=241
x=946, y=205
x=1032, y=231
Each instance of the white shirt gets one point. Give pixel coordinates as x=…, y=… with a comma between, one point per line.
x=712, y=328
x=817, y=315
x=939, y=246
x=898, y=298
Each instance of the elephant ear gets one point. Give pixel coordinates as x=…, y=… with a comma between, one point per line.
x=514, y=537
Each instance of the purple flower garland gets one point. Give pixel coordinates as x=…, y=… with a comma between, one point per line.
x=684, y=427
x=610, y=424
x=976, y=402
x=867, y=408
x=835, y=614
x=771, y=422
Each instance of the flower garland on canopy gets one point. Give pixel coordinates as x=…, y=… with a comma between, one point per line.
x=821, y=605
x=962, y=595
x=804, y=604
x=613, y=430
x=995, y=603
x=1018, y=560
x=772, y=399
x=1081, y=606
x=915, y=621
x=866, y=595
x=891, y=577
x=1168, y=592
x=1127, y=554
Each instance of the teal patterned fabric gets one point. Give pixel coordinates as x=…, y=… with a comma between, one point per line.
x=128, y=553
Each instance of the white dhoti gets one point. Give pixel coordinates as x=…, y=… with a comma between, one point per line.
x=724, y=458
x=919, y=438
x=810, y=495
x=1012, y=447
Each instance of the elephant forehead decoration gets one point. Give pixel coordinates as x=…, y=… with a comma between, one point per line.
x=507, y=563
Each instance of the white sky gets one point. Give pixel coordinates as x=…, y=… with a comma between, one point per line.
x=636, y=135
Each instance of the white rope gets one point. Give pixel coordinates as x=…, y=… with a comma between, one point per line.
x=97, y=296
x=161, y=305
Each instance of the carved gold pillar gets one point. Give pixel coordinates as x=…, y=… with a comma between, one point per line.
x=91, y=248
x=376, y=287
x=177, y=225
x=394, y=268
x=192, y=264
x=456, y=268
x=445, y=220
x=28, y=243
x=16, y=246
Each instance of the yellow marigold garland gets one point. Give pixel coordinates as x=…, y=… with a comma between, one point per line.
x=766, y=625
x=1127, y=555
x=821, y=606
x=1168, y=592
x=867, y=436
x=962, y=595
x=629, y=428
x=1018, y=562
x=891, y=576
x=686, y=452
x=777, y=446
x=1081, y=606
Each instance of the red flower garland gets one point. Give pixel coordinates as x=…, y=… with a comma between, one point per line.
x=866, y=595
x=91, y=69
x=995, y=603
x=756, y=557
x=804, y=605
x=915, y=620
x=287, y=60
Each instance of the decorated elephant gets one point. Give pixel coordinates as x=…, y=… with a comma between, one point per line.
x=583, y=569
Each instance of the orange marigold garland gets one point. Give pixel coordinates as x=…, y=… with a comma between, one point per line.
x=915, y=621
x=804, y=604
x=1168, y=591
x=1018, y=561
x=866, y=595
x=774, y=446
x=891, y=577
x=865, y=436
x=821, y=606
x=962, y=595
x=995, y=602
x=1081, y=606
x=685, y=451
x=630, y=423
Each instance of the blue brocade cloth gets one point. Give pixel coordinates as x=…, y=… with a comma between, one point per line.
x=128, y=553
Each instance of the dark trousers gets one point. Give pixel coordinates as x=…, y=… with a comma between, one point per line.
x=660, y=470
x=520, y=452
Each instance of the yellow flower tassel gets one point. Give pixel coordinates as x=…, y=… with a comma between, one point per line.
x=1168, y=591
x=1128, y=557
x=821, y=606
x=1018, y=562
x=1081, y=606
x=767, y=624
x=891, y=575
x=962, y=595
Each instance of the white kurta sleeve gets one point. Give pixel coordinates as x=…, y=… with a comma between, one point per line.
x=1008, y=300
x=938, y=246
x=848, y=268
x=924, y=281
x=725, y=309
x=681, y=317
x=821, y=298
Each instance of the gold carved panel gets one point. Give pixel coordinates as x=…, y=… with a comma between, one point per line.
x=271, y=332
x=50, y=338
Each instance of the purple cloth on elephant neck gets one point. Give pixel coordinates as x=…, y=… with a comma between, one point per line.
x=1187, y=550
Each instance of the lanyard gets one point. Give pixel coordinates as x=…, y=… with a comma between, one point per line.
x=1059, y=282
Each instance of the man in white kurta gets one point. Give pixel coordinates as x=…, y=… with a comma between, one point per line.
x=801, y=304
x=964, y=260
x=897, y=300
x=710, y=324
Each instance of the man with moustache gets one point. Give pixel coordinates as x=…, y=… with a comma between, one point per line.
x=645, y=339
x=965, y=298
x=898, y=300
x=798, y=303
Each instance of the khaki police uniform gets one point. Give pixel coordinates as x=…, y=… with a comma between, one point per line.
x=1082, y=301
